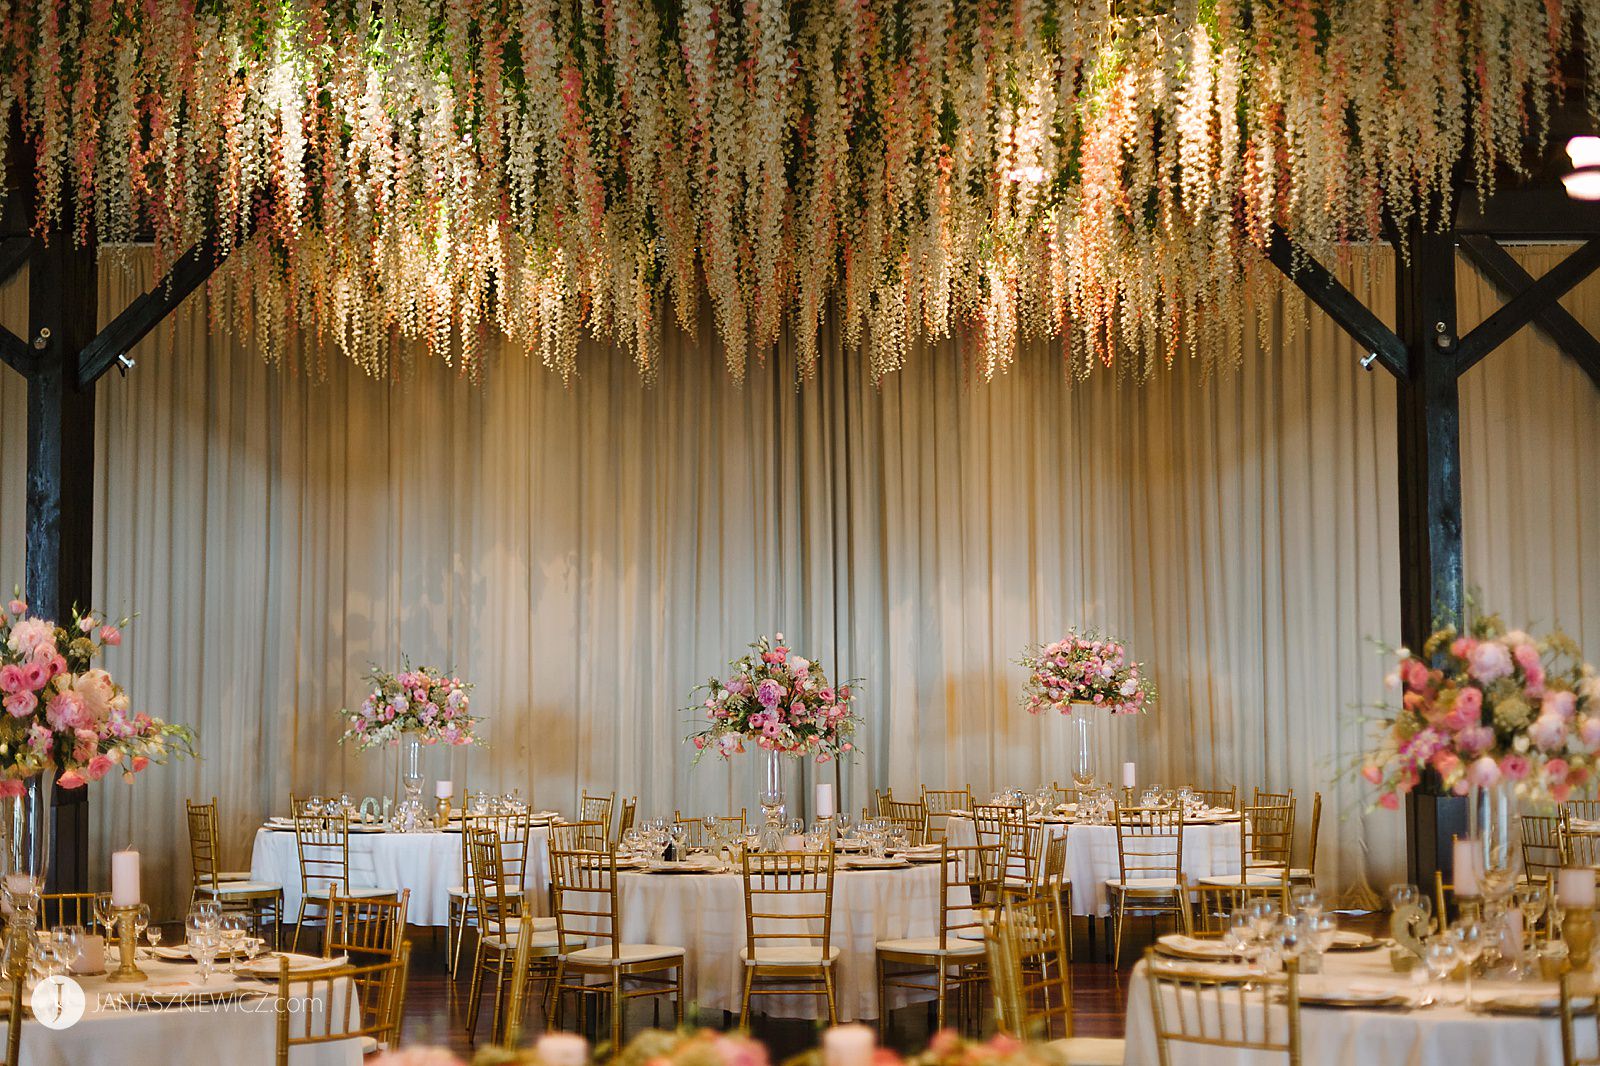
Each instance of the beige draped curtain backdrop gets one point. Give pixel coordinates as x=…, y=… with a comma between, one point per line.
x=587, y=553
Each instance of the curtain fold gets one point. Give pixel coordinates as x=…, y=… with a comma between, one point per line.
x=587, y=553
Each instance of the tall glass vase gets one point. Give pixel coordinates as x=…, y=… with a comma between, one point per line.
x=408, y=815
x=1491, y=814
x=1083, y=717
x=773, y=828
x=25, y=828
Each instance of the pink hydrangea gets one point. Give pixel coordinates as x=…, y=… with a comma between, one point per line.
x=1489, y=662
x=1548, y=732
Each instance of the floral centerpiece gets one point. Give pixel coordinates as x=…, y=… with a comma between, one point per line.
x=1086, y=670
x=779, y=701
x=63, y=714
x=429, y=703
x=1486, y=707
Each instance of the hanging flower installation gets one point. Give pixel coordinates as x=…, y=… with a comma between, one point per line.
x=1101, y=172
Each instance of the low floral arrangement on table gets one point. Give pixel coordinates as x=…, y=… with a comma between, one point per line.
x=778, y=701
x=1085, y=669
x=65, y=715
x=1488, y=706
x=431, y=703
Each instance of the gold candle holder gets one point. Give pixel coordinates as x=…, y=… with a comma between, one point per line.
x=127, y=946
x=441, y=816
x=1577, y=929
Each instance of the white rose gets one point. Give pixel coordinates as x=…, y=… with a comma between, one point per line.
x=1129, y=687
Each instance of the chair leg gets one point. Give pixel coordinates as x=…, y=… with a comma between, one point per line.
x=943, y=991
x=883, y=1004
x=616, y=1012
x=501, y=971
x=1116, y=951
x=474, y=996
x=677, y=996
x=552, y=1006
x=744, y=1001
x=827, y=984
x=450, y=937
x=1066, y=916
x=294, y=945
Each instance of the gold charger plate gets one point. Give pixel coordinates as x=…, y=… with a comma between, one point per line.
x=1397, y=1001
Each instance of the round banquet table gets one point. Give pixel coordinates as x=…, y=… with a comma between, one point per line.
x=1209, y=850
x=1440, y=1035
x=427, y=862
x=117, y=1026
x=703, y=913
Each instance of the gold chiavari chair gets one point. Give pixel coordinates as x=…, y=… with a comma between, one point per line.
x=1203, y=1009
x=1541, y=846
x=1570, y=1053
x=1586, y=809
x=66, y=908
x=589, y=935
x=497, y=901
x=937, y=803
x=952, y=961
x=1266, y=837
x=1053, y=875
x=367, y=930
x=630, y=811
x=788, y=921
x=597, y=808
x=1066, y=794
x=695, y=829
x=1032, y=980
x=1149, y=869
x=1271, y=799
x=1210, y=909
x=514, y=831
x=880, y=798
x=365, y=1003
x=1307, y=874
x=912, y=817
x=510, y=1036
x=1023, y=861
x=578, y=836
x=993, y=821
x=322, y=842
x=1218, y=797
x=262, y=901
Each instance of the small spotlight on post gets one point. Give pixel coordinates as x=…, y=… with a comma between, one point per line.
x=1583, y=183
x=1368, y=359
x=124, y=364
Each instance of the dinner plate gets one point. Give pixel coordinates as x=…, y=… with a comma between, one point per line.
x=1538, y=1004
x=1348, y=1000
x=1344, y=940
x=190, y=990
x=267, y=965
x=866, y=862
x=1188, y=947
x=658, y=867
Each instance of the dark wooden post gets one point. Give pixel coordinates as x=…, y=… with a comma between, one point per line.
x=1432, y=586
x=63, y=300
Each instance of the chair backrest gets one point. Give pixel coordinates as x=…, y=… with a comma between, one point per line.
x=322, y=842
x=1266, y=839
x=517, y=994
x=1149, y=843
x=203, y=859
x=695, y=829
x=513, y=831
x=343, y=1003
x=881, y=797
x=630, y=811
x=1027, y=946
x=368, y=929
x=1218, y=797
x=597, y=808
x=937, y=803
x=495, y=894
x=788, y=900
x=909, y=816
x=994, y=821
x=1211, y=908
x=1053, y=868
x=1541, y=846
x=1316, y=829
x=971, y=885
x=1271, y=799
x=583, y=887
x=1587, y=809
x=1066, y=793
x=67, y=908
x=1022, y=860
x=579, y=836
x=1195, y=1007
x=1569, y=1022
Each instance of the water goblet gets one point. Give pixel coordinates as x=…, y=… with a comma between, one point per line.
x=1439, y=956
x=104, y=913
x=204, y=948
x=1469, y=939
x=211, y=910
x=232, y=932
x=1306, y=900
x=141, y=922
x=1263, y=914
x=66, y=941
x=1532, y=899
x=842, y=820
x=153, y=934
x=1240, y=932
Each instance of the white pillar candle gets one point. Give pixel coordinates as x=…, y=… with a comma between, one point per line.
x=825, y=808
x=848, y=1045
x=125, y=878
x=1575, y=886
x=562, y=1049
x=1128, y=775
x=91, y=955
x=1511, y=934
x=444, y=789
x=1466, y=867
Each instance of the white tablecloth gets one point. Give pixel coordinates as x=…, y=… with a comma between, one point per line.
x=428, y=863
x=1432, y=1036
x=1208, y=851
x=704, y=914
x=235, y=1033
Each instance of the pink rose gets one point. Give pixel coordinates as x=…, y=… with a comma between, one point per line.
x=99, y=766
x=1560, y=702
x=11, y=788
x=1389, y=801
x=1489, y=662
x=21, y=704
x=1373, y=773
x=772, y=729
x=1514, y=767
x=17, y=607
x=1555, y=771
x=139, y=763
x=110, y=635
x=1548, y=732
x=1474, y=740
x=1527, y=657
x=1483, y=773
x=70, y=779
x=1415, y=674
x=35, y=676
x=1446, y=763
x=11, y=679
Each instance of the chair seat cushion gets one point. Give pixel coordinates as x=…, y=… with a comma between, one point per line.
x=1300, y=874
x=1089, y=1050
x=544, y=941
x=234, y=875
x=626, y=953
x=1249, y=880
x=1143, y=884
x=798, y=955
x=240, y=888
x=929, y=945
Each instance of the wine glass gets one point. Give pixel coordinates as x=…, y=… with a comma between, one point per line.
x=1240, y=932
x=1439, y=956
x=104, y=913
x=141, y=922
x=1469, y=939
x=1263, y=916
x=203, y=945
x=66, y=941
x=842, y=820
x=153, y=934
x=1532, y=899
x=211, y=910
x=1306, y=900
x=1324, y=929
x=232, y=932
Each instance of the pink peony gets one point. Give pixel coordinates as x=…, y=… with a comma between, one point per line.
x=1415, y=674
x=1589, y=731
x=1548, y=732
x=1560, y=702
x=768, y=693
x=11, y=788
x=21, y=704
x=110, y=635
x=1462, y=647
x=31, y=634
x=1527, y=657
x=1555, y=771
x=66, y=711
x=772, y=729
x=1474, y=740
x=1514, y=767
x=1483, y=773
x=1489, y=662
x=1389, y=801
x=70, y=779
x=99, y=766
